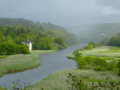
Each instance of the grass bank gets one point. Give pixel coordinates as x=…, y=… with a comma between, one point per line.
x=20, y=62
x=107, y=51
x=57, y=80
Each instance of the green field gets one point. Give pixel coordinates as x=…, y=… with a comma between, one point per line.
x=20, y=62
x=57, y=80
x=109, y=51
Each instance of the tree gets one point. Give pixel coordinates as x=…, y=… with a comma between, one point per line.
x=59, y=41
x=8, y=38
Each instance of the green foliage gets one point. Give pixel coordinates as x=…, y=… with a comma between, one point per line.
x=119, y=73
x=118, y=64
x=99, y=62
x=44, y=44
x=112, y=66
x=8, y=48
x=88, y=47
x=75, y=83
x=44, y=36
x=78, y=54
x=92, y=44
x=114, y=41
x=59, y=41
x=78, y=84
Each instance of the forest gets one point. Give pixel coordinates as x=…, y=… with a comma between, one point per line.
x=44, y=36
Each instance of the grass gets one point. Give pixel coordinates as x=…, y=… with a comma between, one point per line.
x=3, y=56
x=20, y=62
x=57, y=80
x=108, y=51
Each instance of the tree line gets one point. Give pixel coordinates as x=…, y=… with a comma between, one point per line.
x=41, y=37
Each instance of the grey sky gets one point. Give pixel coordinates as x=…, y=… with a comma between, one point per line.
x=63, y=12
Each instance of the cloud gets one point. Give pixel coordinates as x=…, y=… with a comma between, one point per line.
x=63, y=12
x=110, y=11
x=112, y=3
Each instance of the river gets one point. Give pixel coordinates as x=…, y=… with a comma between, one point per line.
x=50, y=63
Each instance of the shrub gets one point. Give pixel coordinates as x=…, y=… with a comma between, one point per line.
x=99, y=62
x=78, y=54
x=81, y=63
x=112, y=66
x=118, y=64
x=76, y=83
x=88, y=47
x=92, y=44
x=99, y=68
x=89, y=59
x=7, y=48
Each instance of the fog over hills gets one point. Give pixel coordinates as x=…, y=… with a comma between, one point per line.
x=63, y=12
x=95, y=32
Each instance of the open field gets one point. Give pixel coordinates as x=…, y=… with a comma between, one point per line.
x=106, y=52
x=57, y=80
x=109, y=51
x=20, y=62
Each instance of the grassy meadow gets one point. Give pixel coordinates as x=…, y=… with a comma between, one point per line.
x=109, y=51
x=58, y=80
x=20, y=62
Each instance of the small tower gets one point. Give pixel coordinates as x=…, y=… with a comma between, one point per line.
x=29, y=44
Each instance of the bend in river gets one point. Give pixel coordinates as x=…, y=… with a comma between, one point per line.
x=50, y=63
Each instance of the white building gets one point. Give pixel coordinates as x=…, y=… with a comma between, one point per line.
x=28, y=43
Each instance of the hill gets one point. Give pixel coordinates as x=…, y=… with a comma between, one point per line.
x=95, y=32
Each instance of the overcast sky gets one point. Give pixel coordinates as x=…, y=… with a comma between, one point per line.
x=62, y=12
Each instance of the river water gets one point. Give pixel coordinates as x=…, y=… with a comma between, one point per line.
x=50, y=63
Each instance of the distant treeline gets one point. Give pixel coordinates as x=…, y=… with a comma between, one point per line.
x=43, y=36
x=115, y=41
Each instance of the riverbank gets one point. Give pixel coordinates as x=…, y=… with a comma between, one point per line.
x=58, y=80
x=105, y=70
x=21, y=62
x=103, y=58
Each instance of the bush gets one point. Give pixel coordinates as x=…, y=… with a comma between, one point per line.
x=78, y=54
x=88, y=47
x=89, y=59
x=7, y=48
x=118, y=64
x=119, y=73
x=99, y=62
x=92, y=44
x=112, y=66
x=81, y=63
x=99, y=68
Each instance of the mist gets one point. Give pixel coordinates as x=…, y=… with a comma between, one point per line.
x=63, y=12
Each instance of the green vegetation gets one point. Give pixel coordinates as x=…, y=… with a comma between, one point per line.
x=20, y=62
x=8, y=48
x=44, y=36
x=115, y=41
x=103, y=58
x=60, y=81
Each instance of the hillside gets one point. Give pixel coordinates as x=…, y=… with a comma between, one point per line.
x=95, y=32
x=43, y=35
x=29, y=24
